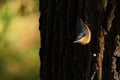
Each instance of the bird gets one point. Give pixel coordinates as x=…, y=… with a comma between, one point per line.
x=83, y=32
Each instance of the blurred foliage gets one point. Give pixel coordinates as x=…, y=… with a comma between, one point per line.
x=2, y=2
x=19, y=63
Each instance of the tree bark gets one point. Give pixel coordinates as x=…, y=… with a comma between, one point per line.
x=63, y=60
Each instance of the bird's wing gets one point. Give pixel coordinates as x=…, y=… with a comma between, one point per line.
x=80, y=28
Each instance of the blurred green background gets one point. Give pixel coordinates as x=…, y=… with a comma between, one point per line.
x=19, y=40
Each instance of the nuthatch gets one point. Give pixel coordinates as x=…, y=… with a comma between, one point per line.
x=83, y=32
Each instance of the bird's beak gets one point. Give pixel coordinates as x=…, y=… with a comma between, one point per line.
x=76, y=41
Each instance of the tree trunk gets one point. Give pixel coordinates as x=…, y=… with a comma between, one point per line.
x=63, y=60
